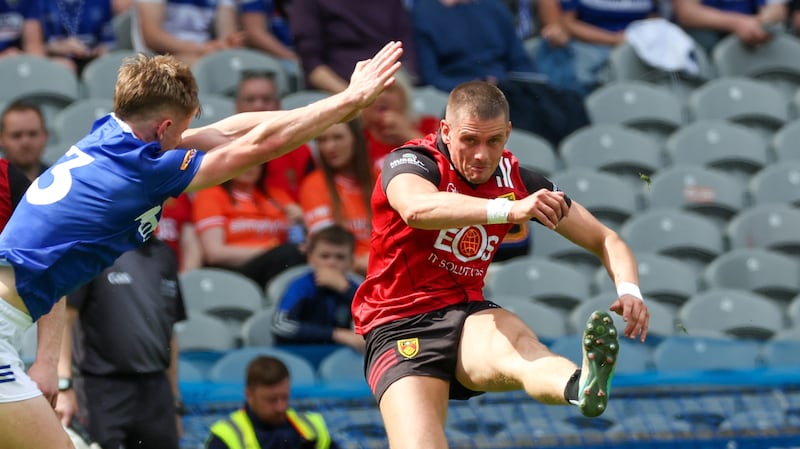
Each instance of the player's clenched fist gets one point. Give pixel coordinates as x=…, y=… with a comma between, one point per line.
x=544, y=205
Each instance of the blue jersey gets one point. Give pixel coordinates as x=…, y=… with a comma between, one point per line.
x=278, y=25
x=13, y=15
x=88, y=20
x=101, y=199
x=610, y=15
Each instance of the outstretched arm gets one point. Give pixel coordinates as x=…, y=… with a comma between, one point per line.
x=282, y=131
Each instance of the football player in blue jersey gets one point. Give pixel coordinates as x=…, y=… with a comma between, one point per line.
x=104, y=197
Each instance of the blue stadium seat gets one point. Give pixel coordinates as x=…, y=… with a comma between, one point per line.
x=343, y=365
x=737, y=313
x=687, y=353
x=232, y=367
x=781, y=353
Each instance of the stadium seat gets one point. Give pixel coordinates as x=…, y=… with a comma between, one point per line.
x=624, y=64
x=428, y=100
x=302, y=98
x=44, y=82
x=257, y=329
x=782, y=353
x=75, y=121
x=202, y=332
x=533, y=152
x=550, y=244
x=610, y=199
x=688, y=353
x=709, y=192
x=776, y=61
x=675, y=233
x=122, y=24
x=231, y=368
x=771, y=226
x=645, y=425
x=546, y=321
x=719, y=144
x=189, y=372
x=794, y=312
x=662, y=317
x=532, y=277
x=220, y=292
x=99, y=77
x=278, y=284
x=213, y=107
x=343, y=365
x=748, y=102
x=614, y=149
x=662, y=278
x=219, y=72
x=784, y=142
x=737, y=313
x=776, y=183
x=636, y=104
x=753, y=422
x=772, y=274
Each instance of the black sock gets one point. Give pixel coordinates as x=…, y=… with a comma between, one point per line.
x=571, y=390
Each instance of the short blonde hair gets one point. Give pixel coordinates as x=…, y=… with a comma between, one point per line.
x=148, y=85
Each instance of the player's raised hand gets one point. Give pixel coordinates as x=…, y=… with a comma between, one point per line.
x=371, y=76
x=544, y=205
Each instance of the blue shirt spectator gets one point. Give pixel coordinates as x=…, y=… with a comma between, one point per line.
x=18, y=20
x=79, y=30
x=466, y=52
x=611, y=15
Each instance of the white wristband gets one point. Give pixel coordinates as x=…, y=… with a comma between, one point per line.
x=497, y=210
x=629, y=288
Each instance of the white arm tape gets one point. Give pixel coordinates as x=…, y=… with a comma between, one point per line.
x=629, y=288
x=497, y=210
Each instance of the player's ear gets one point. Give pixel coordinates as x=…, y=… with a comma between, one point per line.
x=445, y=127
x=162, y=128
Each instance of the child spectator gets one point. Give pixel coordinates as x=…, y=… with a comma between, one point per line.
x=315, y=309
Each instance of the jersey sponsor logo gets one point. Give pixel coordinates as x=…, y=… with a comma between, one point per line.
x=451, y=188
x=119, y=278
x=148, y=222
x=467, y=244
x=408, y=347
x=6, y=375
x=407, y=158
x=187, y=159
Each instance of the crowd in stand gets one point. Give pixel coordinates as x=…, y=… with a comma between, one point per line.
x=257, y=223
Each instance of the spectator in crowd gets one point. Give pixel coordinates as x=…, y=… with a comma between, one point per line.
x=128, y=360
x=595, y=28
x=244, y=227
x=257, y=91
x=481, y=45
x=266, y=421
x=77, y=31
x=23, y=137
x=538, y=18
x=338, y=192
x=176, y=229
x=391, y=121
x=708, y=21
x=330, y=36
x=315, y=308
x=266, y=28
x=20, y=28
x=188, y=31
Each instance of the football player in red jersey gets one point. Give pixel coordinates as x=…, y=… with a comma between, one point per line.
x=440, y=208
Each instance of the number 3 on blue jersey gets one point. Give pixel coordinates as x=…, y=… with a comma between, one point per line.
x=62, y=179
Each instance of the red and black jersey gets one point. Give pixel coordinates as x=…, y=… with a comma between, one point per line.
x=413, y=271
x=13, y=185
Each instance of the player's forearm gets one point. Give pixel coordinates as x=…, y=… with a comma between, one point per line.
x=619, y=260
x=693, y=14
x=50, y=329
x=440, y=210
x=65, y=358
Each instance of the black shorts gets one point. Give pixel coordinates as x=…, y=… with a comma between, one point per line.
x=421, y=345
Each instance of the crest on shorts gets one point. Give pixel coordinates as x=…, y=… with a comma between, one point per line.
x=409, y=347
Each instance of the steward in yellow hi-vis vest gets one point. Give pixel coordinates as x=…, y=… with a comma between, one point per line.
x=302, y=430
